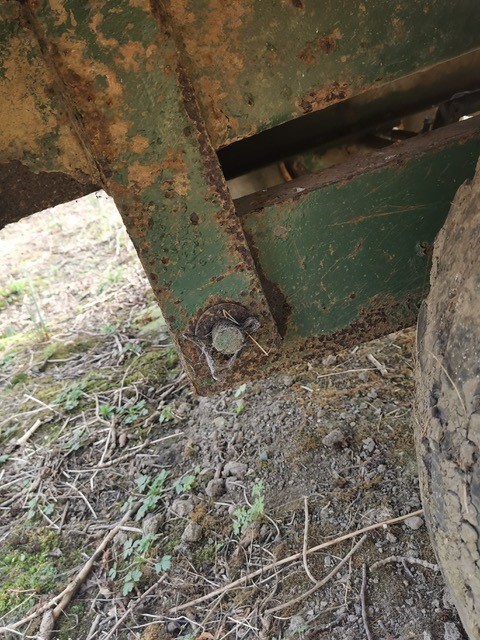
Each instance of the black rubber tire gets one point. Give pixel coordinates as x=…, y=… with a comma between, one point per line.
x=447, y=404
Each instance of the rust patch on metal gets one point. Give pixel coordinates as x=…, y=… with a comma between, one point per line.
x=324, y=44
x=327, y=43
x=23, y=192
x=220, y=40
x=143, y=175
x=324, y=96
x=388, y=315
x=307, y=55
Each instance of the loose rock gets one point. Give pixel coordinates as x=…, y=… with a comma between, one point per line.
x=215, y=488
x=237, y=469
x=335, y=437
x=182, y=508
x=193, y=532
x=415, y=522
x=219, y=422
x=152, y=524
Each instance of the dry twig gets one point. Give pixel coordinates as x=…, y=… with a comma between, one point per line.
x=363, y=602
x=402, y=559
x=289, y=559
x=320, y=583
x=378, y=365
x=23, y=439
x=305, y=543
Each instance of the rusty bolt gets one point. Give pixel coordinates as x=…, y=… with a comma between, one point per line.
x=227, y=337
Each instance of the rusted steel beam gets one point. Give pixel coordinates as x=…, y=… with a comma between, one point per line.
x=135, y=111
x=42, y=162
x=255, y=65
x=346, y=253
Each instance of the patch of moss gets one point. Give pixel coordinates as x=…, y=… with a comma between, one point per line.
x=204, y=556
x=75, y=623
x=155, y=367
x=28, y=568
x=16, y=341
x=174, y=538
x=19, y=378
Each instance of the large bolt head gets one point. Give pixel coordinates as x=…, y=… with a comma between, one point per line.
x=227, y=338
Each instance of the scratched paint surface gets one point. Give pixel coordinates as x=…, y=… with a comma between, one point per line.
x=359, y=245
x=256, y=64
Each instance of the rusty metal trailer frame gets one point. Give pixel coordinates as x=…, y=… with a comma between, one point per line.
x=158, y=101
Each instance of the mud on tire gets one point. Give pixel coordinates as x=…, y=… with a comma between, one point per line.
x=447, y=406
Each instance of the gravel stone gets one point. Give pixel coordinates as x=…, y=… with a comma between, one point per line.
x=297, y=624
x=183, y=409
x=181, y=507
x=215, y=488
x=287, y=380
x=415, y=522
x=152, y=524
x=193, y=532
x=452, y=632
x=219, y=422
x=335, y=437
x=237, y=469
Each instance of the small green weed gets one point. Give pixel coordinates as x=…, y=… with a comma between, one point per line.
x=239, y=402
x=185, y=484
x=166, y=415
x=133, y=411
x=11, y=292
x=137, y=551
x=106, y=411
x=244, y=516
x=153, y=490
x=70, y=399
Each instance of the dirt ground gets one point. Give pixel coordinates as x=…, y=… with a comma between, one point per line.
x=201, y=510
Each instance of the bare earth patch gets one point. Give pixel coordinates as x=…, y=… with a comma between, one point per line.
x=130, y=508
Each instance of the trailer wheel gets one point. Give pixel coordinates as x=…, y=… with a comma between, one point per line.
x=447, y=405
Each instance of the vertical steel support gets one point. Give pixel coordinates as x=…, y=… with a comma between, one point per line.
x=135, y=111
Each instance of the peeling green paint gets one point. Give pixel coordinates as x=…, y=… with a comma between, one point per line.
x=361, y=242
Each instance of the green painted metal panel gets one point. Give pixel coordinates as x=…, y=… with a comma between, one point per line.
x=137, y=114
x=357, y=244
x=257, y=64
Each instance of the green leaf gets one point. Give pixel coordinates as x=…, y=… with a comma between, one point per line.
x=127, y=548
x=166, y=415
x=136, y=575
x=127, y=588
x=164, y=564
x=240, y=391
x=144, y=544
x=130, y=581
x=239, y=407
x=48, y=509
x=142, y=482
